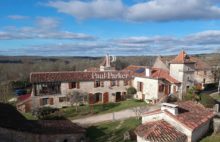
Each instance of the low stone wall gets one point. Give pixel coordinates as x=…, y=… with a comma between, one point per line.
x=9, y=135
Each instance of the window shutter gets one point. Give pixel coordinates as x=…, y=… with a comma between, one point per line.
x=94, y=84
x=70, y=85
x=117, y=82
x=78, y=85
x=91, y=98
x=102, y=83
x=51, y=101
x=41, y=102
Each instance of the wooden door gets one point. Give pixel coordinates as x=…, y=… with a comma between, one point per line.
x=105, y=98
x=166, y=91
x=91, y=98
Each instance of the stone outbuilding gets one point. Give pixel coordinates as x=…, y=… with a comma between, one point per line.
x=184, y=121
x=15, y=128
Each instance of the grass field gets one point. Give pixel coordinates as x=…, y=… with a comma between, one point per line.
x=216, y=96
x=84, y=111
x=212, y=138
x=112, y=131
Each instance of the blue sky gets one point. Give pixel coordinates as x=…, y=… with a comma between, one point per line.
x=119, y=27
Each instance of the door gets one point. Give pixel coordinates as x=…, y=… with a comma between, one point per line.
x=105, y=98
x=91, y=98
x=118, y=96
x=166, y=91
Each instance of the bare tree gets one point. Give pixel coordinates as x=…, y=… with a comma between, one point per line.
x=76, y=98
x=5, y=92
x=139, y=111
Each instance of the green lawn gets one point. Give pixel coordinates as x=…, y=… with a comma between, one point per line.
x=112, y=131
x=212, y=138
x=216, y=96
x=29, y=116
x=84, y=111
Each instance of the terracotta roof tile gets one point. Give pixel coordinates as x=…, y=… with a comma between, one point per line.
x=193, y=114
x=200, y=65
x=190, y=114
x=159, y=131
x=162, y=74
x=68, y=76
x=182, y=58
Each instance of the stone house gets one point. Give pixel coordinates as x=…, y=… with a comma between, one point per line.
x=182, y=68
x=53, y=88
x=188, y=70
x=182, y=122
x=152, y=84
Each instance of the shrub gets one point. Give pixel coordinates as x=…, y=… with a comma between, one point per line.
x=207, y=101
x=44, y=112
x=192, y=95
x=131, y=91
x=172, y=98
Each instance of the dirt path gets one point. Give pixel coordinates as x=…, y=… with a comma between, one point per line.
x=120, y=115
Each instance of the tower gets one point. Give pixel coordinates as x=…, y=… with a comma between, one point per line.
x=182, y=68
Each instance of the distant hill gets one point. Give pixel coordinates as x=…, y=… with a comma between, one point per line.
x=19, y=67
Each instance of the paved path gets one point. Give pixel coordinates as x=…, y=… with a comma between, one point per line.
x=120, y=115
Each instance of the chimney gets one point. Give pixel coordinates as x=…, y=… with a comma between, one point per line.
x=172, y=108
x=107, y=59
x=148, y=72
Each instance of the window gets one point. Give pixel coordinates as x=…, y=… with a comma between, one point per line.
x=45, y=101
x=62, y=99
x=113, y=83
x=188, y=78
x=48, y=89
x=102, y=83
x=140, y=86
x=97, y=83
x=203, y=80
x=73, y=85
x=125, y=82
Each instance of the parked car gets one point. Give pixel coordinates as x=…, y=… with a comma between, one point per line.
x=19, y=92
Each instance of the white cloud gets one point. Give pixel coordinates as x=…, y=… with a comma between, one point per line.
x=202, y=42
x=47, y=22
x=94, y=9
x=151, y=10
x=46, y=28
x=17, y=17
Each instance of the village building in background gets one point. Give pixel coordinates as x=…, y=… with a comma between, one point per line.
x=105, y=84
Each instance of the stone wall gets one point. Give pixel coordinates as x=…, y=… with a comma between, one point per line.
x=8, y=135
x=150, y=87
x=199, y=132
